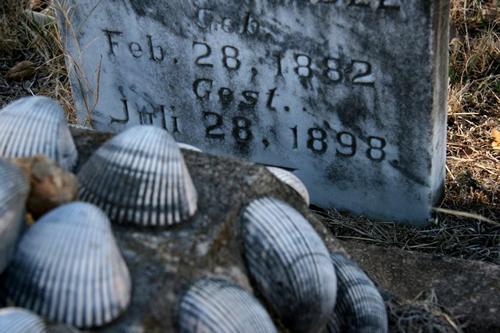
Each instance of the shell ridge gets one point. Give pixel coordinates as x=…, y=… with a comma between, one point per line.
x=105, y=312
x=177, y=186
x=66, y=263
x=192, y=198
x=215, y=305
x=134, y=202
x=18, y=320
x=361, y=307
x=153, y=189
x=216, y=311
x=306, y=232
x=170, y=190
x=141, y=176
x=22, y=281
x=110, y=182
x=149, y=209
x=40, y=294
x=302, y=233
x=265, y=231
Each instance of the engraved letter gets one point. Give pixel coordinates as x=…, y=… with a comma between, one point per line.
x=135, y=49
x=125, y=111
x=152, y=55
x=112, y=44
x=199, y=91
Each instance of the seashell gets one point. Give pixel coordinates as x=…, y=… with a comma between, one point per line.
x=17, y=320
x=14, y=191
x=289, y=264
x=219, y=306
x=140, y=177
x=185, y=146
x=34, y=126
x=360, y=307
x=291, y=180
x=68, y=268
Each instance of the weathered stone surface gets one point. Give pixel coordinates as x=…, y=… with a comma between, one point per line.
x=350, y=95
x=469, y=289
x=163, y=263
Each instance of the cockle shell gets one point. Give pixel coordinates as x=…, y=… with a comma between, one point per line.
x=289, y=263
x=17, y=320
x=68, y=268
x=219, y=306
x=360, y=307
x=140, y=177
x=34, y=126
x=291, y=180
x=185, y=146
x=14, y=191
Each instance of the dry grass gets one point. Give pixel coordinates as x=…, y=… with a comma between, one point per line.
x=422, y=315
x=473, y=165
x=22, y=39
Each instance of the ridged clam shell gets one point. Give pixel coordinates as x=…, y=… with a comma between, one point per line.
x=36, y=126
x=291, y=180
x=14, y=190
x=17, y=320
x=185, y=146
x=219, y=306
x=360, y=307
x=140, y=177
x=289, y=263
x=68, y=268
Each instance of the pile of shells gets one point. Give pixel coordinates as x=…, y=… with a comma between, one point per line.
x=306, y=286
x=67, y=267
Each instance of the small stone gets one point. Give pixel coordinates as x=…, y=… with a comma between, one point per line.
x=21, y=71
x=39, y=5
x=51, y=186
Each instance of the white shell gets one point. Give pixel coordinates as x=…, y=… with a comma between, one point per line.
x=360, y=307
x=289, y=263
x=185, y=146
x=36, y=126
x=69, y=269
x=291, y=180
x=17, y=320
x=219, y=306
x=14, y=190
x=140, y=177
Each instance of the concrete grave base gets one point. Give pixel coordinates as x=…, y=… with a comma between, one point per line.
x=163, y=263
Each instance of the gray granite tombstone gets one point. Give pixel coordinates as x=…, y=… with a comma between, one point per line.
x=350, y=95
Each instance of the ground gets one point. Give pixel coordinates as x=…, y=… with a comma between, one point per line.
x=466, y=223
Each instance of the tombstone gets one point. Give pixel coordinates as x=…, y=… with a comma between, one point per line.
x=350, y=95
